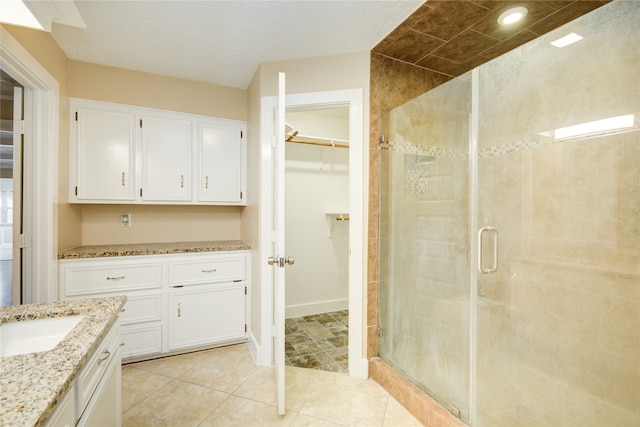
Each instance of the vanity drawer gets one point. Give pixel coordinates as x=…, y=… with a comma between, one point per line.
x=206, y=270
x=145, y=307
x=142, y=339
x=92, y=372
x=103, y=277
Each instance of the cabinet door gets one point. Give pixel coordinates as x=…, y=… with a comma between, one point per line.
x=166, y=159
x=105, y=155
x=104, y=408
x=221, y=157
x=65, y=413
x=206, y=314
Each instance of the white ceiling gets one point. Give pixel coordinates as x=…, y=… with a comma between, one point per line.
x=224, y=41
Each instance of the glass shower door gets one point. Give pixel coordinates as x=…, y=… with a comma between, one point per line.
x=423, y=307
x=558, y=323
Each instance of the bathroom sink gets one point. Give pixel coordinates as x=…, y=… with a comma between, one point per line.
x=32, y=336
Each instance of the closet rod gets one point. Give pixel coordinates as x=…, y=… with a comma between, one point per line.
x=324, y=144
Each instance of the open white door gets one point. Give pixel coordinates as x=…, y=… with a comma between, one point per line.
x=277, y=259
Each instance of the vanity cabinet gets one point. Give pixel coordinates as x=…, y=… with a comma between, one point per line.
x=94, y=397
x=174, y=301
x=135, y=155
x=65, y=413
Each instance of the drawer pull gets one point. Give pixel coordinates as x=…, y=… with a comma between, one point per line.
x=178, y=286
x=115, y=278
x=179, y=310
x=105, y=355
x=122, y=344
x=213, y=270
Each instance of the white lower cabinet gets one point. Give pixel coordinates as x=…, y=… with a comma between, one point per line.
x=175, y=302
x=94, y=397
x=65, y=413
x=201, y=314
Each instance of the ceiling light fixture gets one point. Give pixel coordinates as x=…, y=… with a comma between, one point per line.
x=567, y=40
x=512, y=15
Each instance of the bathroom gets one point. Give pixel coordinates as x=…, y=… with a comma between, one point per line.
x=549, y=338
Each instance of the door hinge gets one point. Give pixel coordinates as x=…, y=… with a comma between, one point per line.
x=19, y=127
x=76, y=191
x=140, y=123
x=379, y=331
x=23, y=241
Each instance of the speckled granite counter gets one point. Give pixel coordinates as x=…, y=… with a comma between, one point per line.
x=31, y=384
x=153, y=249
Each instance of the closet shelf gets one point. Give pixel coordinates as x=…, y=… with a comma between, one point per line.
x=334, y=218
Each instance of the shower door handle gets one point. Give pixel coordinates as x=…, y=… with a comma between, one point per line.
x=494, y=267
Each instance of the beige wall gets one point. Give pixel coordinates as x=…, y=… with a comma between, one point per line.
x=110, y=84
x=318, y=74
x=45, y=50
x=101, y=223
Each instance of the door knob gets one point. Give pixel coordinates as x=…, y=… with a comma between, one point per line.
x=280, y=262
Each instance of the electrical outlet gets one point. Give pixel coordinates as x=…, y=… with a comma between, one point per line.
x=125, y=220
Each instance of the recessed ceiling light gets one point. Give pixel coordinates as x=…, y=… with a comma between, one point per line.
x=512, y=15
x=567, y=40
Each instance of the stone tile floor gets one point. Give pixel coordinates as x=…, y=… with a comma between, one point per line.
x=320, y=341
x=223, y=387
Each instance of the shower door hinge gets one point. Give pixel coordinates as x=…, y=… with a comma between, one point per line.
x=379, y=331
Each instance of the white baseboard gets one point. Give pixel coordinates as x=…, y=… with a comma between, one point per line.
x=316, y=308
x=260, y=355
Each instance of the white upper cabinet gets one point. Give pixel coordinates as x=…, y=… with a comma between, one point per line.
x=105, y=153
x=220, y=153
x=166, y=159
x=135, y=155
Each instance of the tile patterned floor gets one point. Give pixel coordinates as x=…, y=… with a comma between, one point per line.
x=320, y=341
x=223, y=387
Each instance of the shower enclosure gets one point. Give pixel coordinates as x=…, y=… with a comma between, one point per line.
x=509, y=285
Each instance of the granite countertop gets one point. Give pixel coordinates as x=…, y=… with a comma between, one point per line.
x=99, y=251
x=32, y=384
